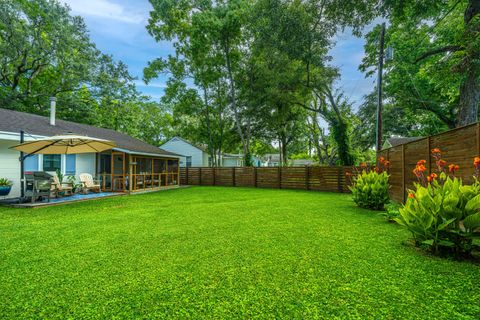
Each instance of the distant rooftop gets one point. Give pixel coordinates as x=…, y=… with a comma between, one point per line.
x=398, y=141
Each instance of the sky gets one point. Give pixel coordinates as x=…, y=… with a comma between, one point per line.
x=117, y=27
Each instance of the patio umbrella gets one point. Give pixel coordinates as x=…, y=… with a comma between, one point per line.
x=65, y=144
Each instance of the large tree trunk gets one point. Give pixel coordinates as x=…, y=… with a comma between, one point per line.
x=470, y=87
x=233, y=98
x=469, y=99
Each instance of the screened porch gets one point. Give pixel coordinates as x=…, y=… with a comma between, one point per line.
x=122, y=172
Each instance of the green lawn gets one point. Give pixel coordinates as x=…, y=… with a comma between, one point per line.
x=223, y=253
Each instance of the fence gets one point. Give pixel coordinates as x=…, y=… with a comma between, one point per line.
x=306, y=178
x=458, y=146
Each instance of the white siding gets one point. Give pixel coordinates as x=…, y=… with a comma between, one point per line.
x=205, y=157
x=178, y=146
x=85, y=163
x=10, y=166
x=231, y=162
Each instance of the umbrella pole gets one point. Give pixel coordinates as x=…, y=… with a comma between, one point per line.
x=22, y=168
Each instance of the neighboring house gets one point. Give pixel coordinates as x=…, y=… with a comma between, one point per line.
x=397, y=141
x=191, y=155
x=198, y=156
x=271, y=160
x=132, y=159
x=301, y=162
x=232, y=160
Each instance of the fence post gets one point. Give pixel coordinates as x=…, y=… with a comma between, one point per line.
x=200, y=176
x=233, y=177
x=214, y=177
x=279, y=177
x=307, y=177
x=255, y=177
x=478, y=139
x=429, y=163
x=403, y=173
x=339, y=179
x=186, y=176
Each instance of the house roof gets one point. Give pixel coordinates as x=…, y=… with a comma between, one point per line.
x=397, y=141
x=199, y=147
x=233, y=155
x=14, y=121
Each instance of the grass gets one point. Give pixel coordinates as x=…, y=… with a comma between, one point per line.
x=211, y=252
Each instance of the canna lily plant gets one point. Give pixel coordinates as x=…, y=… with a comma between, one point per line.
x=442, y=212
x=370, y=186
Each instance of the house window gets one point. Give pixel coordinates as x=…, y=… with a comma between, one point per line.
x=189, y=161
x=70, y=165
x=31, y=163
x=52, y=162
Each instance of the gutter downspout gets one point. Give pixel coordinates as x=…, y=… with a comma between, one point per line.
x=22, y=168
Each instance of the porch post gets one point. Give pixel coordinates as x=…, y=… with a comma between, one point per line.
x=130, y=169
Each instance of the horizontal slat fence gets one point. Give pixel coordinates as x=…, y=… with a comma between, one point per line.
x=458, y=146
x=305, y=178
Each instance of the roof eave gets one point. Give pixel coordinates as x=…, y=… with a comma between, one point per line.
x=147, y=153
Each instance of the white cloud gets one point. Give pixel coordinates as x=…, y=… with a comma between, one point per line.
x=106, y=9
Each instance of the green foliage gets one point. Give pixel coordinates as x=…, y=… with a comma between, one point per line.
x=222, y=253
x=444, y=215
x=59, y=174
x=370, y=189
x=259, y=68
x=4, y=182
x=73, y=181
x=45, y=51
x=391, y=211
x=435, y=52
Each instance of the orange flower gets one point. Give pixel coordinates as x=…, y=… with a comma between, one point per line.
x=421, y=168
x=381, y=159
x=386, y=163
x=436, y=150
x=432, y=177
x=476, y=162
x=441, y=163
x=348, y=174
x=411, y=195
x=421, y=162
x=363, y=165
x=453, y=167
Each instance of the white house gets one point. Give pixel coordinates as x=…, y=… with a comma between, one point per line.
x=198, y=156
x=271, y=160
x=132, y=164
x=191, y=155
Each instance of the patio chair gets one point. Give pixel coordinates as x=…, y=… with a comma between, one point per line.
x=61, y=187
x=88, y=183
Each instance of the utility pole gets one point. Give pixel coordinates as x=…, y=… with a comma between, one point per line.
x=379, y=88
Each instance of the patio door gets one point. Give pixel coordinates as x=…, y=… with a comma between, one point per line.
x=119, y=174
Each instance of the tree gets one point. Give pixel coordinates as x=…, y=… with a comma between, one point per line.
x=436, y=52
x=43, y=51
x=208, y=39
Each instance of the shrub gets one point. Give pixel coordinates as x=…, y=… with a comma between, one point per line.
x=370, y=186
x=442, y=213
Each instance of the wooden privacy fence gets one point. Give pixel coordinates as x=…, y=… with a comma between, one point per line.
x=306, y=178
x=458, y=146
